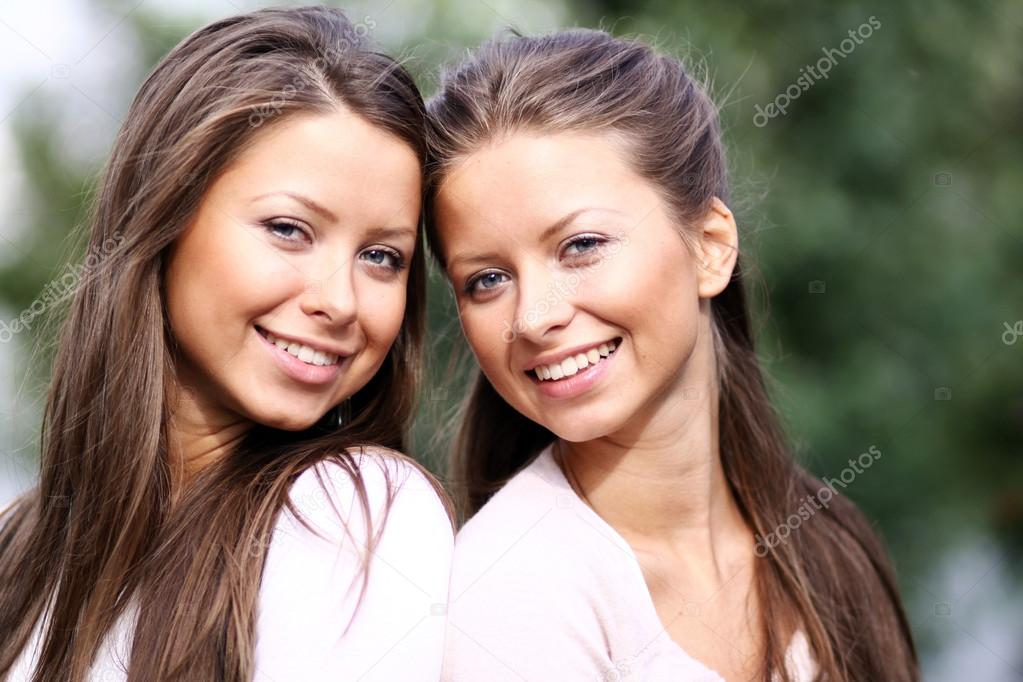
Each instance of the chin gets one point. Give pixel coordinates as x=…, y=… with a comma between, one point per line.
x=286, y=421
x=581, y=432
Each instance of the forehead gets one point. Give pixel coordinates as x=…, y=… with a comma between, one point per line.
x=336, y=156
x=526, y=181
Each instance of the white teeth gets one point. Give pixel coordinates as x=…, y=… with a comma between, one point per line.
x=574, y=364
x=303, y=353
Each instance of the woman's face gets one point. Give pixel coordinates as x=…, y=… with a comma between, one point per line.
x=288, y=288
x=565, y=263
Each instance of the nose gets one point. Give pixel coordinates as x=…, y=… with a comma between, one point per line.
x=331, y=297
x=544, y=305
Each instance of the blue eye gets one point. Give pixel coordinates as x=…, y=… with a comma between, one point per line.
x=486, y=281
x=584, y=244
x=284, y=230
x=386, y=257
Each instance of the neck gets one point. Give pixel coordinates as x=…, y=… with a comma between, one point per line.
x=200, y=435
x=662, y=486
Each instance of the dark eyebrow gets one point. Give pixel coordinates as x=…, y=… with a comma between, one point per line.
x=323, y=211
x=385, y=232
x=544, y=236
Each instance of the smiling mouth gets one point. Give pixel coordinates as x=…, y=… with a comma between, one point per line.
x=306, y=354
x=574, y=364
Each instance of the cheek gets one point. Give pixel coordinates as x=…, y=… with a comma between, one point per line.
x=648, y=291
x=381, y=311
x=649, y=280
x=664, y=313
x=218, y=278
x=488, y=330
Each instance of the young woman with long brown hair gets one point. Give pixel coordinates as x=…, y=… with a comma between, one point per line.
x=626, y=478
x=222, y=493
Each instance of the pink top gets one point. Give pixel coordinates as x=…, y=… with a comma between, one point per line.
x=309, y=588
x=542, y=588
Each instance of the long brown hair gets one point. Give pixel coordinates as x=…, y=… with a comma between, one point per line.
x=833, y=575
x=100, y=529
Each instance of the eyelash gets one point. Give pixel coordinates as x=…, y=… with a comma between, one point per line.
x=277, y=222
x=586, y=238
x=398, y=260
x=470, y=285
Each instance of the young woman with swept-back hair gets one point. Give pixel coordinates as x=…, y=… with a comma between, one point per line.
x=629, y=485
x=222, y=494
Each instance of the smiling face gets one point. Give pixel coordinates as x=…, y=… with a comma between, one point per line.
x=585, y=308
x=288, y=288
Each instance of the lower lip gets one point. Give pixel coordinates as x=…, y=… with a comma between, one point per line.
x=301, y=371
x=578, y=383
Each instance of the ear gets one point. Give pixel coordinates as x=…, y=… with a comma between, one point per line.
x=718, y=249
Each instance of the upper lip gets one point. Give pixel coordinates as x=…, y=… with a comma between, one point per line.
x=315, y=345
x=553, y=358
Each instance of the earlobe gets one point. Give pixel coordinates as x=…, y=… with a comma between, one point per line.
x=719, y=249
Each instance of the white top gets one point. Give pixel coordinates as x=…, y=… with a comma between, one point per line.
x=542, y=588
x=304, y=599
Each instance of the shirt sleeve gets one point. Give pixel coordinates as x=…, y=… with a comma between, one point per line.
x=311, y=626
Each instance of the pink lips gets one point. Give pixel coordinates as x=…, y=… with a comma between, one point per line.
x=301, y=371
x=578, y=383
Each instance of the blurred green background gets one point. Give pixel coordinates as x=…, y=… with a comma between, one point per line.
x=881, y=214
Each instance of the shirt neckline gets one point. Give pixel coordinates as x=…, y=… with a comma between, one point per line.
x=545, y=466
